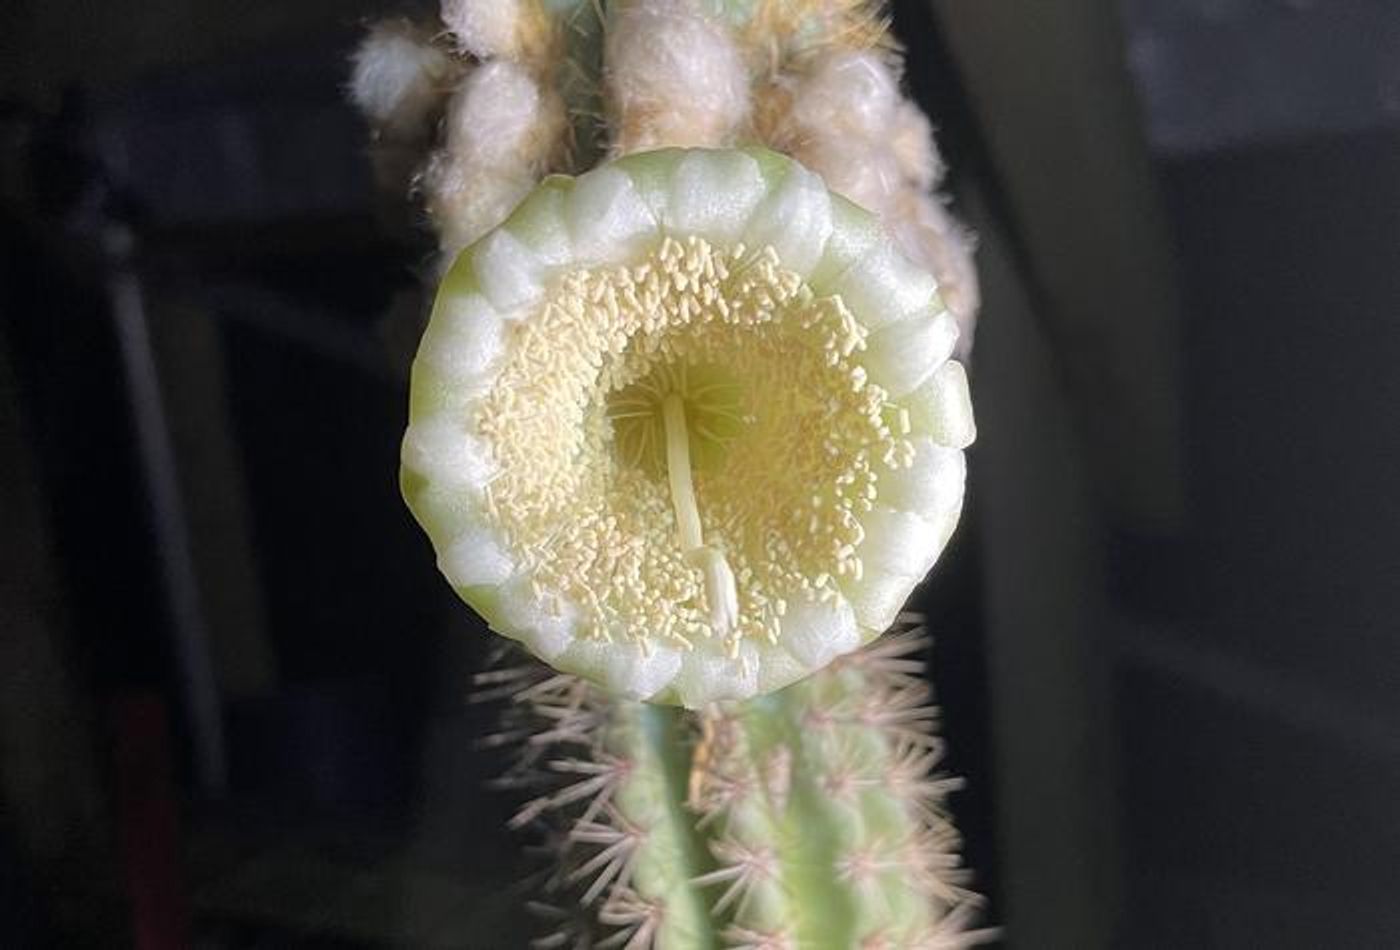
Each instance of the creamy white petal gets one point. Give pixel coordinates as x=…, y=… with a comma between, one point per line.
x=625, y=669
x=521, y=615
x=435, y=393
x=878, y=598
x=897, y=542
x=816, y=632
x=539, y=223
x=933, y=483
x=476, y=557
x=884, y=287
x=549, y=640
x=606, y=217
x=707, y=676
x=945, y=523
x=777, y=668
x=854, y=231
x=510, y=274
x=441, y=449
x=795, y=220
x=445, y=513
x=464, y=337
x=714, y=194
x=942, y=407
x=905, y=354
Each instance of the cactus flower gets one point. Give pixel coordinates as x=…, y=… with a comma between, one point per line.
x=687, y=425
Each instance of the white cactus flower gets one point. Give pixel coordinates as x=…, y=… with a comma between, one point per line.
x=687, y=425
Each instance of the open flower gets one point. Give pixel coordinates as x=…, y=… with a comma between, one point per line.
x=687, y=425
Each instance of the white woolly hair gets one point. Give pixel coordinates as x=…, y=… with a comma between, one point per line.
x=841, y=122
x=674, y=77
x=848, y=122
x=847, y=94
x=929, y=234
x=399, y=80
x=501, y=115
x=489, y=28
x=503, y=130
x=911, y=142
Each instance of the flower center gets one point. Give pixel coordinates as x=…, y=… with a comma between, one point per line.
x=686, y=443
x=673, y=421
x=714, y=414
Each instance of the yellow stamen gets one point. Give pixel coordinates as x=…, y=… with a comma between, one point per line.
x=698, y=374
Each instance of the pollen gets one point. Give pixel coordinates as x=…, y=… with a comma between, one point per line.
x=686, y=443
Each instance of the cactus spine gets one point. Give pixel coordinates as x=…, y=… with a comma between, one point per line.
x=811, y=818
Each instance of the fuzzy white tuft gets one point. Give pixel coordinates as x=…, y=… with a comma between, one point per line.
x=674, y=77
x=848, y=95
x=487, y=28
x=502, y=132
x=399, y=80
x=847, y=121
x=840, y=124
x=911, y=141
x=930, y=235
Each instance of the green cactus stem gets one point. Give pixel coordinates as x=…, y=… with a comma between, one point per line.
x=805, y=820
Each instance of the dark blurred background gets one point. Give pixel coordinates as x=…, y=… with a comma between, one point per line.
x=233, y=688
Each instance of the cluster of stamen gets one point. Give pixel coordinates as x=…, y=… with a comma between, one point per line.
x=787, y=433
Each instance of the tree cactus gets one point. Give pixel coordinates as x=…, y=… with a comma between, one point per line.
x=687, y=427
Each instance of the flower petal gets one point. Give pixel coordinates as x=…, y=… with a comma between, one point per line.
x=708, y=675
x=443, y=449
x=539, y=222
x=934, y=482
x=942, y=407
x=854, y=231
x=897, y=542
x=817, y=632
x=509, y=273
x=795, y=220
x=476, y=557
x=877, y=599
x=463, y=337
x=515, y=611
x=713, y=194
x=606, y=217
x=624, y=668
x=884, y=287
x=905, y=354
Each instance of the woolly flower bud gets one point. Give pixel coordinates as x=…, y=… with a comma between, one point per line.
x=502, y=116
x=687, y=425
x=674, y=77
x=503, y=130
x=397, y=80
x=840, y=122
x=847, y=95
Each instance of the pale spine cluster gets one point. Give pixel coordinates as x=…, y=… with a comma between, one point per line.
x=805, y=820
